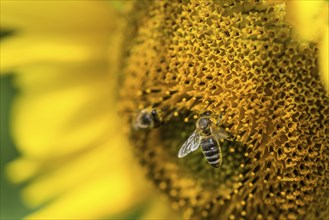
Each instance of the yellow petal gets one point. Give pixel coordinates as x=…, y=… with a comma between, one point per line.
x=41, y=35
x=97, y=198
x=46, y=77
x=324, y=58
x=55, y=15
x=22, y=50
x=98, y=161
x=55, y=123
x=308, y=17
x=22, y=169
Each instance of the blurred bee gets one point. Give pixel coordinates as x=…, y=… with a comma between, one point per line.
x=148, y=118
x=207, y=135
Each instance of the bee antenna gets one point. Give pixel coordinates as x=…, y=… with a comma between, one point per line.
x=205, y=112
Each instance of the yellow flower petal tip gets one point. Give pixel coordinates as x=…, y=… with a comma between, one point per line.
x=22, y=170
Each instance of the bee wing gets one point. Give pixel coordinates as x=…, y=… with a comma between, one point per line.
x=220, y=133
x=191, y=144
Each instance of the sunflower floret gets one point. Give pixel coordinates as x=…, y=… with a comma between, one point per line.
x=236, y=59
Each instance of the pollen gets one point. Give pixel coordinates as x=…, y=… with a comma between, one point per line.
x=238, y=60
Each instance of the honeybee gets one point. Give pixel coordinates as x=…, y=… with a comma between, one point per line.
x=148, y=118
x=207, y=135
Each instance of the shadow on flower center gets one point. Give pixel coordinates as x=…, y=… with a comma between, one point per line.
x=190, y=181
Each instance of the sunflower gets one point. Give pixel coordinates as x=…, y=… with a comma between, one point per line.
x=241, y=62
x=238, y=59
x=75, y=160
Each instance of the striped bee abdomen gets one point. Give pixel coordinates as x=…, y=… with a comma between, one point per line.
x=211, y=151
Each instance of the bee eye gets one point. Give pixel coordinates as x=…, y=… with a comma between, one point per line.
x=146, y=119
x=207, y=113
x=154, y=112
x=204, y=123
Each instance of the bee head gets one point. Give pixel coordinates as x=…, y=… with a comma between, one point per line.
x=204, y=125
x=148, y=118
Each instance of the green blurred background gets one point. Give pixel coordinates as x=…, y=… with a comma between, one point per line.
x=11, y=205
